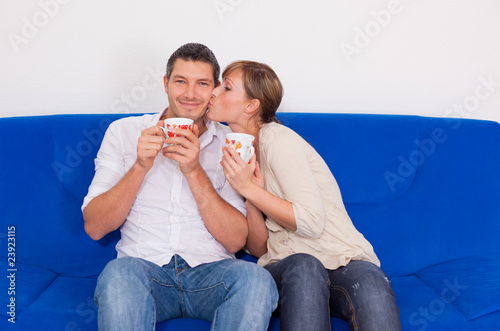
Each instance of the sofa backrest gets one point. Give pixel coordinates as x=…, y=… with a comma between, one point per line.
x=422, y=190
x=47, y=165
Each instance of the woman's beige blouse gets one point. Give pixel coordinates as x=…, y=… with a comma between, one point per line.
x=295, y=172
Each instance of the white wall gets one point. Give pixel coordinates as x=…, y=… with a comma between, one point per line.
x=435, y=58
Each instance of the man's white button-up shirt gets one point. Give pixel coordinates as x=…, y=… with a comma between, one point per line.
x=164, y=219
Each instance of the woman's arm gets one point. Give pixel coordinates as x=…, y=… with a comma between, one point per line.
x=300, y=206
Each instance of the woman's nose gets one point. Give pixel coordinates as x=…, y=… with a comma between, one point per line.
x=215, y=91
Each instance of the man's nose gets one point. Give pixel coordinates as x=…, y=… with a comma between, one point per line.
x=190, y=92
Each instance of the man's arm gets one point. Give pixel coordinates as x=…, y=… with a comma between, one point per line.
x=257, y=231
x=108, y=211
x=226, y=224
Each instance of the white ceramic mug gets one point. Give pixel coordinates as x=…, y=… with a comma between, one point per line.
x=176, y=123
x=242, y=144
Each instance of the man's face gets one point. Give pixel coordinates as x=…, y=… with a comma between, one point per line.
x=189, y=89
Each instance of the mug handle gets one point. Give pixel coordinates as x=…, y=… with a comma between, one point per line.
x=252, y=152
x=166, y=135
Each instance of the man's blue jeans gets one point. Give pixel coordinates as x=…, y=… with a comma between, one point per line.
x=358, y=293
x=134, y=294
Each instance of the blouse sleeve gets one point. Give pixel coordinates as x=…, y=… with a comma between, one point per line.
x=290, y=160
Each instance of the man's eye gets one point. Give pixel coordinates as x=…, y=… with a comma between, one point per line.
x=180, y=81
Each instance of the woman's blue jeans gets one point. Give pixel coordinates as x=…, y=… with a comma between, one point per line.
x=134, y=294
x=358, y=293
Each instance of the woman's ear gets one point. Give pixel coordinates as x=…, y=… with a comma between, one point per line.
x=253, y=106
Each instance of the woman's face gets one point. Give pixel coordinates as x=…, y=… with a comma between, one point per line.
x=229, y=100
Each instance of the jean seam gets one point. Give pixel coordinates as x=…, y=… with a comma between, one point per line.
x=207, y=288
x=351, y=307
x=178, y=271
x=160, y=283
x=215, y=321
x=154, y=317
x=153, y=322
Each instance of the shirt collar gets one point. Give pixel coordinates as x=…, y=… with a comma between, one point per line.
x=157, y=117
x=207, y=137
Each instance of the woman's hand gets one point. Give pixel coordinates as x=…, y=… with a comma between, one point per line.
x=239, y=173
x=257, y=175
x=248, y=181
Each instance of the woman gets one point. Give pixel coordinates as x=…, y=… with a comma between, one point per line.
x=298, y=225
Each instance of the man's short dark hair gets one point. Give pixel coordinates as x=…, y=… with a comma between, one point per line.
x=194, y=52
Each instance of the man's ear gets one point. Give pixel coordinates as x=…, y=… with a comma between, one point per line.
x=165, y=82
x=253, y=106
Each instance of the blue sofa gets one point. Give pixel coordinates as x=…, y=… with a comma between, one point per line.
x=424, y=191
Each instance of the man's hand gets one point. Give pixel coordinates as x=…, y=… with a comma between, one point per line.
x=226, y=224
x=185, y=149
x=150, y=144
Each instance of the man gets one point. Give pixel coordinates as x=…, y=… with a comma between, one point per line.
x=180, y=220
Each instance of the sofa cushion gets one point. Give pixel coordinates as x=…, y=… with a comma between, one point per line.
x=28, y=284
x=470, y=284
x=70, y=303
x=421, y=308
x=183, y=324
x=487, y=322
x=189, y=324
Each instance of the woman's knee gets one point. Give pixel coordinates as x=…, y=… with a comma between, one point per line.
x=301, y=270
x=369, y=273
x=368, y=282
x=367, y=291
x=305, y=264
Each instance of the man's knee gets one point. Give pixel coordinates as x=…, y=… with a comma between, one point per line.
x=258, y=282
x=119, y=268
x=254, y=275
x=120, y=274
